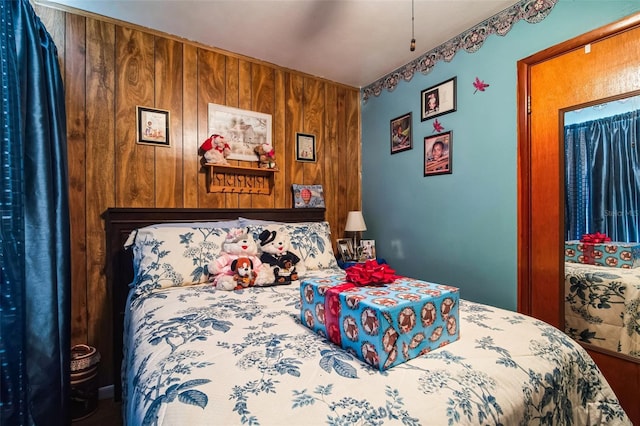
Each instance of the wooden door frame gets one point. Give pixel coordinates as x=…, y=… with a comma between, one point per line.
x=526, y=263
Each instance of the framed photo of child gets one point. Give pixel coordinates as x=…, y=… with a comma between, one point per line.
x=438, y=100
x=438, y=154
x=401, y=138
x=368, y=249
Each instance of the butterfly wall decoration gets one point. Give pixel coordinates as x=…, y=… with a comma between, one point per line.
x=479, y=85
x=437, y=127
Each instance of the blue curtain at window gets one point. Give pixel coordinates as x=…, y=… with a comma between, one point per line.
x=34, y=225
x=602, y=178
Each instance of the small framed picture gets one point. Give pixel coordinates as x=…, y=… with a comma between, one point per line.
x=438, y=100
x=401, y=137
x=153, y=126
x=368, y=249
x=438, y=151
x=305, y=147
x=345, y=248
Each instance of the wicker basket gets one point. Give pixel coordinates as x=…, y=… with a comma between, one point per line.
x=84, y=381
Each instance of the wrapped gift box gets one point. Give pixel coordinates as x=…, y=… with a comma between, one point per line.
x=384, y=325
x=611, y=253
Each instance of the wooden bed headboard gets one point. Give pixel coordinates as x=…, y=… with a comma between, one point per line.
x=119, y=222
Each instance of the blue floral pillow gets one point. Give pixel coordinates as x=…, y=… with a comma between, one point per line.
x=173, y=256
x=311, y=241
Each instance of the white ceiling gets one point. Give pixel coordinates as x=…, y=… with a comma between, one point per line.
x=354, y=42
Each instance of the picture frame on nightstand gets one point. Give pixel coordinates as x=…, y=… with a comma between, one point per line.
x=345, y=248
x=368, y=249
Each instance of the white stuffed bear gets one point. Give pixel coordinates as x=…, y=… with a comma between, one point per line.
x=238, y=244
x=286, y=265
x=216, y=150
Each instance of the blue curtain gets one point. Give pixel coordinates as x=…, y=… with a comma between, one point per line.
x=602, y=178
x=34, y=225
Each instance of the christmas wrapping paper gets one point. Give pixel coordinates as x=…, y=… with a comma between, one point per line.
x=603, y=253
x=382, y=324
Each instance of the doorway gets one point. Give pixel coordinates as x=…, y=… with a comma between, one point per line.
x=596, y=65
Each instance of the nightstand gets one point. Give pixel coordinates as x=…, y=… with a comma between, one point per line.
x=345, y=264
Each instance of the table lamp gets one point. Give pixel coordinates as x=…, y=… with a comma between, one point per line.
x=355, y=224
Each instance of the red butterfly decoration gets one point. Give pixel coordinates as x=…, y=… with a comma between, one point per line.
x=479, y=85
x=437, y=127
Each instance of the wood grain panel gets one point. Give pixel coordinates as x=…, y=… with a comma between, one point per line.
x=263, y=90
x=211, y=89
x=342, y=205
x=190, y=141
x=353, y=167
x=168, y=96
x=75, y=96
x=232, y=94
x=330, y=167
x=282, y=195
x=246, y=101
x=135, y=169
x=295, y=123
x=314, y=109
x=99, y=176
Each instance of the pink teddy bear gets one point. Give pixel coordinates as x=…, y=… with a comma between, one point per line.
x=216, y=150
x=238, y=244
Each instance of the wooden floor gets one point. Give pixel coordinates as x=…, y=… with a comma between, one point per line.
x=108, y=414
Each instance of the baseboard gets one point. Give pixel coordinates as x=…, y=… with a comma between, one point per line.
x=105, y=392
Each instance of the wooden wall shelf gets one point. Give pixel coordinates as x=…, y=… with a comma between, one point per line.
x=240, y=180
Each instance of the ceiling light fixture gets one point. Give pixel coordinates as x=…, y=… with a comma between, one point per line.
x=412, y=46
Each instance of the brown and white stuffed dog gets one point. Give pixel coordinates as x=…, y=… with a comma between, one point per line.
x=243, y=273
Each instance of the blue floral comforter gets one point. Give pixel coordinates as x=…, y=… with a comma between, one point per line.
x=602, y=307
x=197, y=356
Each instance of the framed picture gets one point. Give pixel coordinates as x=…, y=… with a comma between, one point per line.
x=401, y=137
x=243, y=130
x=305, y=196
x=438, y=153
x=153, y=126
x=305, y=147
x=345, y=248
x=439, y=99
x=368, y=249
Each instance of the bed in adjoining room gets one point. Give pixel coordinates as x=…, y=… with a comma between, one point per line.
x=602, y=307
x=196, y=355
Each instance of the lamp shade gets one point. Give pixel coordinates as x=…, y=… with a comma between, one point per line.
x=355, y=222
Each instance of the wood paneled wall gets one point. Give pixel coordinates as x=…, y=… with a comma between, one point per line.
x=110, y=67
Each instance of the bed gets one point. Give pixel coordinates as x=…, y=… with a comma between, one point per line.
x=194, y=355
x=602, y=307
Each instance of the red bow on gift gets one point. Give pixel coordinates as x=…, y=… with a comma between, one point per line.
x=370, y=272
x=596, y=238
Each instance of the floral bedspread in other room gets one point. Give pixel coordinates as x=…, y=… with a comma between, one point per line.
x=602, y=307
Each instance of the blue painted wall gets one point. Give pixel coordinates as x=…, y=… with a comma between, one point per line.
x=461, y=229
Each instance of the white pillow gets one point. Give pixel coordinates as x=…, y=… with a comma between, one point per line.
x=309, y=240
x=245, y=222
x=173, y=256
